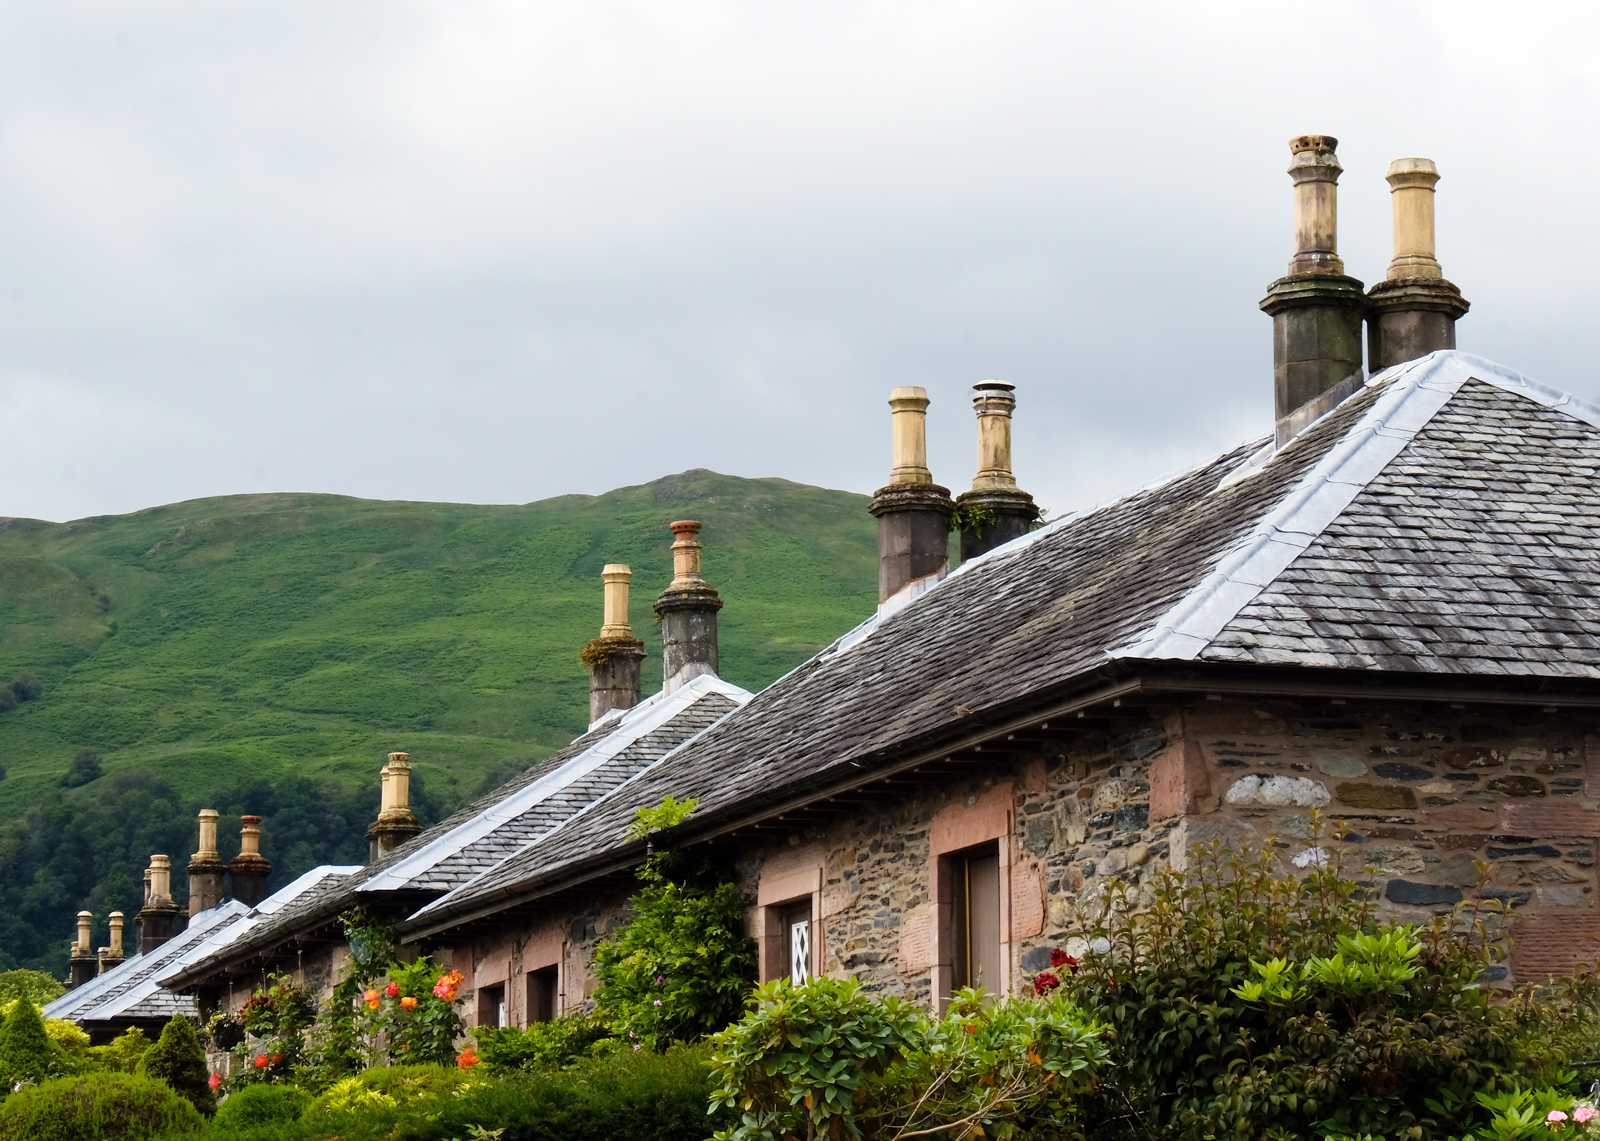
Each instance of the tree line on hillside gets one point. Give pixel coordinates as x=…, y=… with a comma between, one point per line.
x=86, y=848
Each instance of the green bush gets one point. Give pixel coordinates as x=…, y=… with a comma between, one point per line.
x=85, y=767
x=26, y=1052
x=123, y=1053
x=113, y=1107
x=544, y=1045
x=178, y=1059
x=640, y=1096
x=35, y=986
x=827, y=1059
x=262, y=1105
x=1252, y=1001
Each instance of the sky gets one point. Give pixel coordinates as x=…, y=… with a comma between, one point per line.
x=492, y=252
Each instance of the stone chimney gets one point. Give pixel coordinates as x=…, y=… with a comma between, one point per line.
x=249, y=870
x=688, y=612
x=396, y=823
x=81, y=963
x=157, y=916
x=206, y=869
x=996, y=510
x=112, y=955
x=613, y=658
x=1413, y=311
x=1316, y=310
x=913, y=512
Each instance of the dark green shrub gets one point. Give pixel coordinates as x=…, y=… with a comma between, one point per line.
x=26, y=1052
x=1250, y=1000
x=98, y=1107
x=85, y=767
x=178, y=1059
x=35, y=986
x=262, y=1105
x=26, y=688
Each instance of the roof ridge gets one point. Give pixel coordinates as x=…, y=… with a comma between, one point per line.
x=1414, y=392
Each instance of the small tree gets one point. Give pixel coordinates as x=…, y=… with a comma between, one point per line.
x=26, y=1052
x=85, y=767
x=35, y=986
x=681, y=968
x=178, y=1059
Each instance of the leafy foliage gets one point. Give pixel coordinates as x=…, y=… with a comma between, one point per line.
x=1252, y=1002
x=826, y=1059
x=85, y=767
x=26, y=1052
x=97, y=1107
x=34, y=986
x=123, y=1053
x=262, y=1105
x=178, y=1059
x=543, y=1045
x=682, y=965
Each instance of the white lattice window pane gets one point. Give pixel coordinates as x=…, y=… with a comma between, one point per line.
x=800, y=951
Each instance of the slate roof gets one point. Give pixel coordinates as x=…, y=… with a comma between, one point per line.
x=1441, y=519
x=132, y=989
x=496, y=826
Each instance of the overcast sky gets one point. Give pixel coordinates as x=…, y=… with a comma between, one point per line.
x=494, y=252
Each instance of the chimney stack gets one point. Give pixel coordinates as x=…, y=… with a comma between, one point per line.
x=996, y=510
x=206, y=868
x=249, y=870
x=112, y=955
x=613, y=658
x=913, y=512
x=1414, y=310
x=688, y=612
x=396, y=823
x=157, y=916
x=81, y=963
x=1316, y=310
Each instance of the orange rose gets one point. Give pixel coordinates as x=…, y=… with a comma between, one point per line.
x=408, y=1003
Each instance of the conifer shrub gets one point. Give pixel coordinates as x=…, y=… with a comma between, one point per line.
x=97, y=1107
x=178, y=1059
x=262, y=1104
x=26, y=1052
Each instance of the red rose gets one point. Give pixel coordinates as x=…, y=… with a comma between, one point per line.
x=1045, y=981
x=392, y=990
x=1059, y=958
x=261, y=1061
x=276, y=1058
x=215, y=1081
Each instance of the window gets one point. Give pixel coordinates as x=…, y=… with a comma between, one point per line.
x=492, y=1005
x=542, y=995
x=975, y=917
x=794, y=933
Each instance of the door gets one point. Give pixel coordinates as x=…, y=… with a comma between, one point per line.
x=795, y=930
x=976, y=919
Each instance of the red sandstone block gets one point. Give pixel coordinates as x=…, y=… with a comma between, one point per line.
x=1180, y=781
x=1547, y=821
x=1027, y=901
x=1553, y=945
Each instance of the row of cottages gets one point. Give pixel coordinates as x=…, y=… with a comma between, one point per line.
x=1385, y=610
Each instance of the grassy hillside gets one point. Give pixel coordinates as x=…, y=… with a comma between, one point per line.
x=244, y=642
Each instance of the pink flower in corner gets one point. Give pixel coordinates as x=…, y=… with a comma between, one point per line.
x=1585, y=1114
x=215, y=1081
x=658, y=1002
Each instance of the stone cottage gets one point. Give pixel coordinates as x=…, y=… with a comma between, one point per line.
x=1385, y=610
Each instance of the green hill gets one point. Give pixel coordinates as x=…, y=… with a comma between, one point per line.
x=262, y=653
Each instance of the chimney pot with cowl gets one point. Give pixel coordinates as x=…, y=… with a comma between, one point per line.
x=688, y=612
x=996, y=510
x=1414, y=310
x=249, y=870
x=1316, y=309
x=913, y=512
x=159, y=914
x=613, y=658
x=396, y=823
x=206, y=869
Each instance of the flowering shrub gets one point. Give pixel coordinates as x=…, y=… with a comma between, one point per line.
x=271, y=1042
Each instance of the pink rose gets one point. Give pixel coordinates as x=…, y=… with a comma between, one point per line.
x=1555, y=1118
x=1585, y=1114
x=215, y=1081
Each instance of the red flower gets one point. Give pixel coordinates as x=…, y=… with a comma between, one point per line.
x=276, y=1058
x=1059, y=958
x=261, y=1061
x=467, y=1058
x=1045, y=981
x=215, y=1081
x=392, y=990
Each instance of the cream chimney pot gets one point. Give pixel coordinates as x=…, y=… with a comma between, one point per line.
x=85, y=933
x=686, y=548
x=208, y=834
x=399, y=768
x=160, y=880
x=386, y=790
x=994, y=403
x=616, y=577
x=250, y=835
x=116, y=934
x=1315, y=169
x=1411, y=183
x=910, y=405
